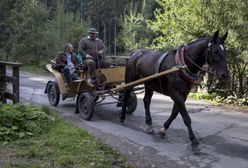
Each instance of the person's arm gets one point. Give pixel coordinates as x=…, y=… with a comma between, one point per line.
x=81, y=48
x=75, y=60
x=59, y=59
x=102, y=47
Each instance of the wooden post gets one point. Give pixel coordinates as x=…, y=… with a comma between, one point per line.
x=2, y=81
x=14, y=80
x=16, y=84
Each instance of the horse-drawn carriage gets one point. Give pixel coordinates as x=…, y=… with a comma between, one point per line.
x=147, y=67
x=109, y=82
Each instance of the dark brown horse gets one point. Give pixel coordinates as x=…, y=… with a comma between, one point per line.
x=177, y=85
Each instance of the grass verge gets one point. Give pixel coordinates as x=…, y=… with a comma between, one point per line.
x=41, y=70
x=209, y=98
x=62, y=146
x=216, y=100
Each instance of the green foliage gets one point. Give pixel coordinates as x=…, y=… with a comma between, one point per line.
x=135, y=33
x=62, y=146
x=179, y=22
x=203, y=96
x=19, y=121
x=33, y=31
x=68, y=26
x=28, y=31
x=36, y=38
x=234, y=100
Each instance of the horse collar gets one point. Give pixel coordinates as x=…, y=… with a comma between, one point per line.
x=184, y=74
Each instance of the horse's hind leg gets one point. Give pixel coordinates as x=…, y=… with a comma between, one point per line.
x=167, y=124
x=126, y=95
x=147, y=103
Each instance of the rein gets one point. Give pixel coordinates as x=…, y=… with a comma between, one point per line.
x=202, y=69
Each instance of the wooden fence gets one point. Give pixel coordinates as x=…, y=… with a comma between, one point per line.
x=14, y=80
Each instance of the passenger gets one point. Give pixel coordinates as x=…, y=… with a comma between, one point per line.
x=92, y=49
x=68, y=63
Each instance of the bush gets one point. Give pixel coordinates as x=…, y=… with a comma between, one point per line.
x=19, y=121
x=204, y=96
x=235, y=100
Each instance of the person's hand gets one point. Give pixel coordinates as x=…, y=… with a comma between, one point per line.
x=100, y=52
x=89, y=56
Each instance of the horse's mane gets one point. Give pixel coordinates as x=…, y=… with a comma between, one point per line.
x=200, y=39
x=174, y=49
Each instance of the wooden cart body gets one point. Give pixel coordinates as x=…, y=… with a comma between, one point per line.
x=114, y=76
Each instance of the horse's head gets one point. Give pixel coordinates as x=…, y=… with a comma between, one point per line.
x=216, y=57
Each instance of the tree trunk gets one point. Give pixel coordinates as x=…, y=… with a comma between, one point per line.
x=233, y=78
x=104, y=32
x=81, y=10
x=109, y=39
x=115, y=40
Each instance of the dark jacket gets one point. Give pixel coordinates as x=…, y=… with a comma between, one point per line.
x=62, y=61
x=87, y=46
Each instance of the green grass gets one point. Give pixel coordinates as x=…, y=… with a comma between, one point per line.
x=210, y=98
x=41, y=70
x=63, y=146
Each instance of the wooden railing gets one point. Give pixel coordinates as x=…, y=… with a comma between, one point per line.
x=14, y=80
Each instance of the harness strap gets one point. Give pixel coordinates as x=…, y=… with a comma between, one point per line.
x=160, y=60
x=184, y=74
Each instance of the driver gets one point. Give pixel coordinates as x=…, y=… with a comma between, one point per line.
x=92, y=49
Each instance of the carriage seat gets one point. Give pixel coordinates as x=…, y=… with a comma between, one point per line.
x=56, y=68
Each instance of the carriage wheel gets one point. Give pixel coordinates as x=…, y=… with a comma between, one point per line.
x=53, y=93
x=85, y=105
x=131, y=103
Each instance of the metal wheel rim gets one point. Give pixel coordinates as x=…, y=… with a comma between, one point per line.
x=83, y=106
x=52, y=93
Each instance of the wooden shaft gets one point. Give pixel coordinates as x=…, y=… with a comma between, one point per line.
x=145, y=79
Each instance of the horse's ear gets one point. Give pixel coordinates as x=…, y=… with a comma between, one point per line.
x=216, y=35
x=225, y=36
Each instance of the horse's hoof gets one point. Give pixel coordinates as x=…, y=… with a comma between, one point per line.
x=150, y=130
x=122, y=120
x=196, y=147
x=162, y=132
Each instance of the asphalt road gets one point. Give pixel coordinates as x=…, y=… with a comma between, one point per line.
x=223, y=133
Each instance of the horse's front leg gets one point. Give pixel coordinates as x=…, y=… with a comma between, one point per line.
x=147, y=103
x=179, y=101
x=167, y=124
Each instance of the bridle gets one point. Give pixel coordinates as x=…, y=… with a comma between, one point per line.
x=206, y=58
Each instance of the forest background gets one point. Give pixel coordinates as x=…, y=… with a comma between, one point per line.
x=33, y=31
